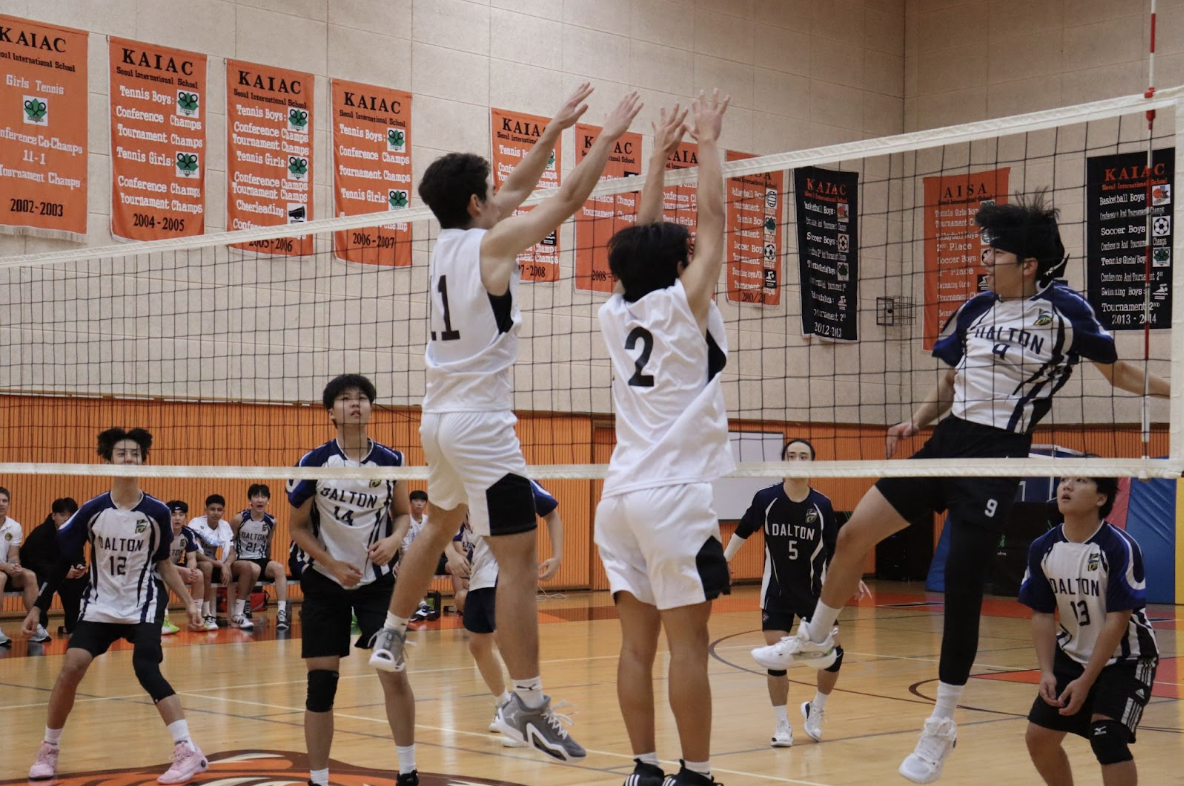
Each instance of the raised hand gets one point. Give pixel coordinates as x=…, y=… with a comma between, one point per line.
x=621, y=118
x=708, y=114
x=571, y=111
x=669, y=131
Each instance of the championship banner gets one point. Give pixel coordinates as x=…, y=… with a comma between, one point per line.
x=828, y=251
x=158, y=141
x=602, y=217
x=1116, y=221
x=953, y=251
x=515, y=135
x=678, y=202
x=371, y=170
x=43, y=126
x=269, y=153
x=755, y=218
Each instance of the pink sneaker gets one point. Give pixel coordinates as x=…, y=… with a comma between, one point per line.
x=46, y=765
x=188, y=760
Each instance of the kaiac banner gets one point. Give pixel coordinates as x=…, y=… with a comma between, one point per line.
x=755, y=221
x=43, y=127
x=514, y=135
x=953, y=250
x=158, y=141
x=602, y=217
x=371, y=170
x=269, y=114
x=828, y=251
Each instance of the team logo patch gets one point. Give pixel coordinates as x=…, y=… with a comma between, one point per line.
x=811, y=516
x=1095, y=562
x=1043, y=318
x=8, y=536
x=257, y=768
x=141, y=526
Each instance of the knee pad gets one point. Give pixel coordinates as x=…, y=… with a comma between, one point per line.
x=322, y=689
x=838, y=664
x=147, y=668
x=1110, y=740
x=778, y=672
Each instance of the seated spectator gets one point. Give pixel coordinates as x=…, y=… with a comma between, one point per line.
x=12, y=576
x=183, y=552
x=214, y=535
x=39, y=553
x=253, y=529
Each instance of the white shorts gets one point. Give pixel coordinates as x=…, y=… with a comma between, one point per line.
x=475, y=459
x=663, y=545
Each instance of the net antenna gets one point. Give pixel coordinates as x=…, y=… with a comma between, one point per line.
x=1147, y=241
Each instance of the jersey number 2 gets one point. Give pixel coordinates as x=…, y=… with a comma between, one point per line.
x=449, y=334
x=640, y=380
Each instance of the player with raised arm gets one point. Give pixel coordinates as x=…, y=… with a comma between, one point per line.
x=1097, y=668
x=475, y=462
x=1010, y=349
x=130, y=567
x=347, y=529
x=656, y=529
x=799, y=527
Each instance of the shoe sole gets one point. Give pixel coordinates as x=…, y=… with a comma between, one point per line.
x=512, y=739
x=205, y=765
x=779, y=744
x=383, y=664
x=33, y=777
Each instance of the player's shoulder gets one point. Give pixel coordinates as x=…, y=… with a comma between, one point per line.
x=383, y=456
x=768, y=494
x=976, y=306
x=1045, y=543
x=1113, y=539
x=819, y=499
x=1067, y=301
x=187, y=532
x=155, y=508
x=95, y=505
x=320, y=456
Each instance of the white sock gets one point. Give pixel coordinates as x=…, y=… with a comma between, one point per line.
x=701, y=767
x=395, y=622
x=531, y=692
x=819, y=702
x=947, y=700
x=239, y=606
x=406, y=758
x=502, y=699
x=319, y=777
x=782, y=714
x=180, y=731
x=650, y=758
x=53, y=736
x=822, y=622
x=205, y=611
x=283, y=605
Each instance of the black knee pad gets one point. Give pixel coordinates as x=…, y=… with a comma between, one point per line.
x=146, y=664
x=778, y=672
x=322, y=689
x=1110, y=741
x=838, y=664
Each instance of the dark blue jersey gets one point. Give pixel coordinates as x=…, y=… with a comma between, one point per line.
x=799, y=541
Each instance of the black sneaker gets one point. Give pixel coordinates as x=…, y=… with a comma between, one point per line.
x=645, y=775
x=408, y=779
x=687, y=777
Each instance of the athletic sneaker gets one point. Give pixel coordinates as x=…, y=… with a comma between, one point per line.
x=211, y=622
x=46, y=765
x=540, y=727
x=41, y=635
x=388, y=654
x=188, y=760
x=240, y=621
x=797, y=650
x=938, y=738
x=354, y=627
x=782, y=735
x=407, y=779
x=687, y=777
x=495, y=726
x=168, y=628
x=281, y=620
x=421, y=613
x=645, y=775
x=4, y=640
x=814, y=718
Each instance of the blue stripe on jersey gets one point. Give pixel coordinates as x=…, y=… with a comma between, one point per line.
x=544, y=502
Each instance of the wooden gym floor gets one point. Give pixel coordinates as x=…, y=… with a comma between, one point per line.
x=244, y=697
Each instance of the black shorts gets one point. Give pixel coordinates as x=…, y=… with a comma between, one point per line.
x=481, y=610
x=325, y=613
x=1121, y=691
x=782, y=619
x=983, y=502
x=262, y=562
x=216, y=574
x=97, y=637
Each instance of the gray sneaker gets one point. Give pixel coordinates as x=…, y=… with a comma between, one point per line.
x=388, y=654
x=540, y=727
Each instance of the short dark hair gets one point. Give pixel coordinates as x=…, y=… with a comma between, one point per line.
x=448, y=184
x=258, y=488
x=1109, y=487
x=109, y=438
x=4, y=491
x=417, y=494
x=1028, y=229
x=177, y=506
x=646, y=258
x=344, y=382
x=65, y=505
x=806, y=442
x=215, y=499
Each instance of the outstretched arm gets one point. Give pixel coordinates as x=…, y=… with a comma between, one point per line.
x=668, y=134
x=936, y=405
x=701, y=277
x=1129, y=377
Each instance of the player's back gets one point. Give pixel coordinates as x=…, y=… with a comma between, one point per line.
x=671, y=423
x=473, y=339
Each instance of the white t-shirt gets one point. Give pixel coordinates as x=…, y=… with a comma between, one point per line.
x=210, y=539
x=11, y=537
x=413, y=531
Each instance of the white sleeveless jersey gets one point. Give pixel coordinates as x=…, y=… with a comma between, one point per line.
x=672, y=427
x=254, y=537
x=473, y=339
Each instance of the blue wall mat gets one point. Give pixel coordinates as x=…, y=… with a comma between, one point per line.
x=1152, y=522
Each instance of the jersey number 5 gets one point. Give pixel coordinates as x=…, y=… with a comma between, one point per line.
x=640, y=380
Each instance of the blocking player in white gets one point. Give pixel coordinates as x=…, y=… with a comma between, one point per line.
x=656, y=530
x=475, y=461
x=12, y=575
x=348, y=530
x=183, y=552
x=253, y=529
x=216, y=557
x=129, y=534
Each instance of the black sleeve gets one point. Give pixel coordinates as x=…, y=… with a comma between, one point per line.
x=70, y=541
x=752, y=520
x=39, y=552
x=50, y=584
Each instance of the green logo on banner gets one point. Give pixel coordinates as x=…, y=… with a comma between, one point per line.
x=398, y=199
x=551, y=160
x=36, y=110
x=297, y=119
x=187, y=102
x=297, y=166
x=186, y=163
x=395, y=139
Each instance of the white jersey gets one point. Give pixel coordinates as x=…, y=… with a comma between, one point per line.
x=12, y=534
x=672, y=427
x=125, y=586
x=483, y=568
x=211, y=537
x=254, y=537
x=473, y=341
x=348, y=516
x=413, y=531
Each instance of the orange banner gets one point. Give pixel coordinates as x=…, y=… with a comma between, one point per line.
x=602, y=217
x=755, y=223
x=678, y=202
x=269, y=164
x=43, y=123
x=953, y=252
x=515, y=135
x=158, y=141
x=371, y=170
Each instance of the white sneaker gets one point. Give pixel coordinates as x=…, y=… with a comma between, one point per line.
x=211, y=622
x=814, y=718
x=495, y=726
x=240, y=621
x=797, y=650
x=938, y=738
x=4, y=640
x=41, y=635
x=782, y=735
